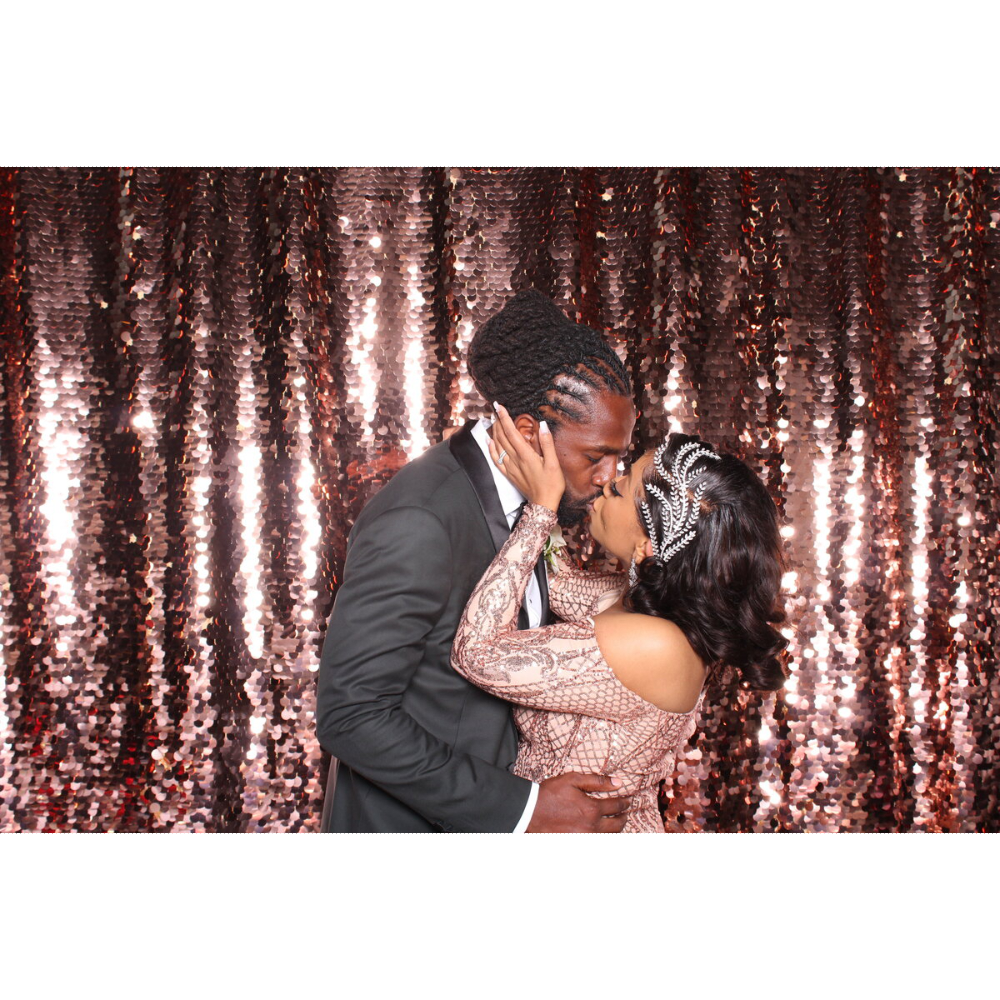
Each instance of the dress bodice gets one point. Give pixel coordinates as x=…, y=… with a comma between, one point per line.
x=571, y=710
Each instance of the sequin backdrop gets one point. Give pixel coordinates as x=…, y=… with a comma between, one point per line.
x=207, y=372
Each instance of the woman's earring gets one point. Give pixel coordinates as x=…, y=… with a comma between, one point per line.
x=633, y=576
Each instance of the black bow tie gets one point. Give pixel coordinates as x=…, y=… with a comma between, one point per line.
x=519, y=514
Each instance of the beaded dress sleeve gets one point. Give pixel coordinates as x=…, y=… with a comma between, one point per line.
x=575, y=593
x=559, y=668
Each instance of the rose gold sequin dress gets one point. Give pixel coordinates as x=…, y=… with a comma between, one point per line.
x=572, y=712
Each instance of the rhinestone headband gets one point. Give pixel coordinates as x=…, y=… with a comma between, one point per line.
x=679, y=512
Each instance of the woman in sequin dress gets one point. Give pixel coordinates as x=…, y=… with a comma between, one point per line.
x=616, y=687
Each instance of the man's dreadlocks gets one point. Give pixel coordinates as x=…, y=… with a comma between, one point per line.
x=529, y=355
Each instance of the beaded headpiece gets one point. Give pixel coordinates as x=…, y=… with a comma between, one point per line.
x=679, y=511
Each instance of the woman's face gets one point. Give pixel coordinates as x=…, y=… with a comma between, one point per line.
x=614, y=522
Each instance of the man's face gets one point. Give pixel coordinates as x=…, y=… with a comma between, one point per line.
x=589, y=452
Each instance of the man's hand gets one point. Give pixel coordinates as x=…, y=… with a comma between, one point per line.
x=563, y=805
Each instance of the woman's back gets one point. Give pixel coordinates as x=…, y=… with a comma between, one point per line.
x=650, y=656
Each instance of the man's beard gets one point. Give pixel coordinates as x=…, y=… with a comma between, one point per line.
x=572, y=512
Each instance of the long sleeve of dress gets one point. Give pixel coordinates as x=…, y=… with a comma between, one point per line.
x=558, y=668
x=575, y=593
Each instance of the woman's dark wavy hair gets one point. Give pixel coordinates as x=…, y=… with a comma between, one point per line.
x=724, y=589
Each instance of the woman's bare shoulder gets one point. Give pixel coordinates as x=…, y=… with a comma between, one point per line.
x=652, y=657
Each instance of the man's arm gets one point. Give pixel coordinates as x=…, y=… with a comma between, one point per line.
x=396, y=584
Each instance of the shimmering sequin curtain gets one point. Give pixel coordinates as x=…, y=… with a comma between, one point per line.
x=207, y=372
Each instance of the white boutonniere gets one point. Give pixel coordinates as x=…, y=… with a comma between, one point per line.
x=554, y=544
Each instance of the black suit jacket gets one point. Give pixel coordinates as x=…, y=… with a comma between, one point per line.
x=420, y=749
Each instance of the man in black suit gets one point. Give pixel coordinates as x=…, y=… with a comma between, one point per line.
x=420, y=749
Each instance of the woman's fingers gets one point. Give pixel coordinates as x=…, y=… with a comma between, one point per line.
x=538, y=476
x=503, y=447
x=516, y=442
x=501, y=437
x=549, y=457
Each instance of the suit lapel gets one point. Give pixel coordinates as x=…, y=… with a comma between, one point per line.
x=470, y=457
x=543, y=589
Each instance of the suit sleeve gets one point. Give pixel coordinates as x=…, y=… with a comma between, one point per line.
x=395, y=588
x=558, y=668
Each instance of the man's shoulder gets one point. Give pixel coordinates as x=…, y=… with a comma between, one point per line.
x=434, y=481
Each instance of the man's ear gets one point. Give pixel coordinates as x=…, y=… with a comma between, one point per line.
x=527, y=427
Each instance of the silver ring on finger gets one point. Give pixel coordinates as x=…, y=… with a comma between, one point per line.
x=503, y=455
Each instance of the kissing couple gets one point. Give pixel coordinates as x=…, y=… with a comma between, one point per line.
x=472, y=678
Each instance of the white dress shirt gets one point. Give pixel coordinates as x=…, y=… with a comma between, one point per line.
x=511, y=499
